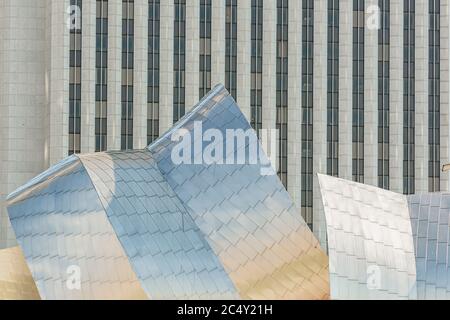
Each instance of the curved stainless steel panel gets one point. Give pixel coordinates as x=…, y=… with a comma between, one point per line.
x=430, y=220
x=188, y=231
x=370, y=241
x=63, y=230
x=247, y=217
x=165, y=247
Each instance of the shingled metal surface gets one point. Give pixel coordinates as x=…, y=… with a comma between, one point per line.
x=430, y=215
x=370, y=241
x=139, y=226
x=166, y=249
x=59, y=223
x=248, y=218
x=16, y=282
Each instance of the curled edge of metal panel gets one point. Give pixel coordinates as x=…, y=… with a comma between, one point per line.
x=370, y=241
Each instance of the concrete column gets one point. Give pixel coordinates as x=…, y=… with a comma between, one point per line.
x=244, y=36
x=57, y=82
x=114, y=74
x=445, y=156
x=396, y=98
x=422, y=26
x=269, y=70
x=88, y=46
x=23, y=101
x=192, y=53
x=218, y=43
x=294, y=100
x=345, y=88
x=166, y=66
x=140, y=73
x=269, y=65
x=371, y=102
x=320, y=116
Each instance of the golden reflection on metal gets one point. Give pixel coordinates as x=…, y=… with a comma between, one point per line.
x=107, y=277
x=16, y=282
x=247, y=218
x=294, y=269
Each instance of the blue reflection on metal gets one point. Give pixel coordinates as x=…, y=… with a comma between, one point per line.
x=166, y=249
x=235, y=203
x=430, y=215
x=60, y=224
x=193, y=231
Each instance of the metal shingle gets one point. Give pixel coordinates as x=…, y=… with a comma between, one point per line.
x=161, y=227
x=49, y=254
x=217, y=208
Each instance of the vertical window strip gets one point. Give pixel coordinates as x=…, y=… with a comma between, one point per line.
x=434, y=96
x=153, y=70
x=179, y=63
x=333, y=89
x=231, y=47
x=205, y=46
x=307, y=111
x=282, y=87
x=101, y=66
x=383, y=94
x=358, y=92
x=75, y=86
x=256, y=65
x=127, y=74
x=409, y=74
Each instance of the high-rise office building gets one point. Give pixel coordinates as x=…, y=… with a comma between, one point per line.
x=358, y=89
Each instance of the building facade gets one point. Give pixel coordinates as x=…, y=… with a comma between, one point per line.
x=357, y=89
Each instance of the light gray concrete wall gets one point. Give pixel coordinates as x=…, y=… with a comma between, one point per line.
x=218, y=43
x=445, y=156
x=244, y=36
x=294, y=100
x=422, y=25
x=140, y=73
x=166, y=66
x=56, y=81
x=396, y=97
x=88, y=45
x=371, y=102
x=269, y=69
x=192, y=53
x=345, y=88
x=114, y=74
x=320, y=116
x=22, y=103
